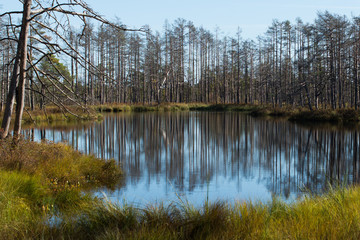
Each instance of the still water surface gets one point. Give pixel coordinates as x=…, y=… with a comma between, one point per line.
x=199, y=156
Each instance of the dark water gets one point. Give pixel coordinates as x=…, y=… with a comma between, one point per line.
x=197, y=156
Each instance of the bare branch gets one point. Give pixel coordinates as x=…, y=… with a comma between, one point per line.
x=9, y=39
x=9, y=13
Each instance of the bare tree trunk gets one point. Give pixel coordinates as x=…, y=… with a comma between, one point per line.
x=20, y=65
x=20, y=98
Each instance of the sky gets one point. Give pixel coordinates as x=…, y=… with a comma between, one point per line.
x=251, y=16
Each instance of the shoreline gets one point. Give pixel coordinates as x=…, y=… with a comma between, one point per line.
x=346, y=115
x=52, y=115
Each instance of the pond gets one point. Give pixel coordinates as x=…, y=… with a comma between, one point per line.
x=198, y=156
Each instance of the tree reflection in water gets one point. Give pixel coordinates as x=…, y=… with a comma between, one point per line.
x=194, y=151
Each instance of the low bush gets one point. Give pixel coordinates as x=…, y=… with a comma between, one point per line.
x=58, y=163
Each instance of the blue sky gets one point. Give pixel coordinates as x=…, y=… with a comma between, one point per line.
x=252, y=16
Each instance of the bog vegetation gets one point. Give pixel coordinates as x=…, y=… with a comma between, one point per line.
x=43, y=195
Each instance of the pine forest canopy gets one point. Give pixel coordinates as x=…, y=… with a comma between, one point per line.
x=313, y=65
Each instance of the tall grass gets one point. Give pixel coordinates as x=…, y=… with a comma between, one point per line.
x=43, y=181
x=334, y=215
x=41, y=197
x=20, y=197
x=52, y=114
x=57, y=163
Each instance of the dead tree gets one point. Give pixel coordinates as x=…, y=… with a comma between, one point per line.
x=54, y=18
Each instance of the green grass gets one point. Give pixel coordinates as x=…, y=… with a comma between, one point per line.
x=112, y=108
x=334, y=215
x=58, y=163
x=52, y=114
x=42, y=196
x=40, y=181
x=21, y=197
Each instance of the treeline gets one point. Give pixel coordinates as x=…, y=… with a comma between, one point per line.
x=313, y=65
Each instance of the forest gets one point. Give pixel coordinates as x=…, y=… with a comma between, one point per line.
x=314, y=65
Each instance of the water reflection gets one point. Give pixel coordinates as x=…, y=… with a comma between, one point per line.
x=214, y=155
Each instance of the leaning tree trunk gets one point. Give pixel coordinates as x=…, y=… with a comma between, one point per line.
x=19, y=68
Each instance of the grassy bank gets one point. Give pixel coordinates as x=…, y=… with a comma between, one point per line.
x=53, y=114
x=347, y=115
x=174, y=107
x=43, y=196
x=326, y=115
x=332, y=216
x=39, y=181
